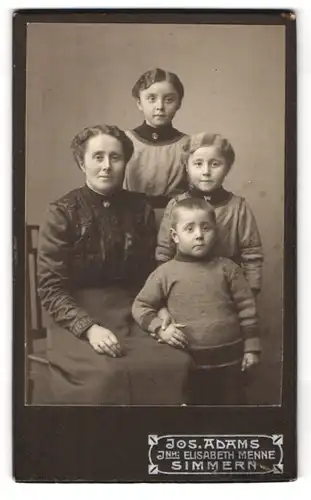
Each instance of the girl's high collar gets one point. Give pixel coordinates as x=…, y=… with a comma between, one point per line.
x=158, y=135
x=216, y=197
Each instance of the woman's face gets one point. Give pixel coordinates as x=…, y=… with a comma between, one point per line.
x=104, y=164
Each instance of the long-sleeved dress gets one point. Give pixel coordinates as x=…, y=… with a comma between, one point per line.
x=238, y=237
x=94, y=254
x=155, y=167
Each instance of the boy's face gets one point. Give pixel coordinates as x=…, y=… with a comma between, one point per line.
x=103, y=164
x=207, y=169
x=195, y=233
x=159, y=103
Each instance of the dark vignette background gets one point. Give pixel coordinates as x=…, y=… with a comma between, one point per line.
x=60, y=443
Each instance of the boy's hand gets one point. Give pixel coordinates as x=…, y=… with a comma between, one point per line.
x=103, y=341
x=173, y=336
x=166, y=318
x=250, y=359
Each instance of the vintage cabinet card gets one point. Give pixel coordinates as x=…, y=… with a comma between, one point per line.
x=154, y=165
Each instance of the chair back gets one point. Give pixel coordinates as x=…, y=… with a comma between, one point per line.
x=34, y=322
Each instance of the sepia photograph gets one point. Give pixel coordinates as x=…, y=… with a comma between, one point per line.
x=156, y=213
x=185, y=113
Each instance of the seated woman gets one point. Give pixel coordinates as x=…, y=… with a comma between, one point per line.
x=96, y=248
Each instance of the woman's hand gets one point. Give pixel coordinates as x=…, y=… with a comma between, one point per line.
x=173, y=336
x=103, y=341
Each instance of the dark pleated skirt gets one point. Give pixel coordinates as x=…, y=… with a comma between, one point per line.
x=148, y=373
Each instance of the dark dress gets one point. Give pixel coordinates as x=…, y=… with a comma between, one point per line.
x=94, y=255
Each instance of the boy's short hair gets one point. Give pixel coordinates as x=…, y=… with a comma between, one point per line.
x=158, y=75
x=192, y=204
x=79, y=142
x=206, y=139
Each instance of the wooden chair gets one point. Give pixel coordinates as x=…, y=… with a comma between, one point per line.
x=35, y=337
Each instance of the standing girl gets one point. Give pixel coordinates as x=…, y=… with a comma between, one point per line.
x=155, y=167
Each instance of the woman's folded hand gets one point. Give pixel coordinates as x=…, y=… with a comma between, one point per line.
x=103, y=341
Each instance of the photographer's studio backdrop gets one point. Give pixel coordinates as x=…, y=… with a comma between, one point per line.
x=234, y=79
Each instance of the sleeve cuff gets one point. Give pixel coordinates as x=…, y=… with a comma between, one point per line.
x=80, y=326
x=254, y=281
x=252, y=345
x=154, y=325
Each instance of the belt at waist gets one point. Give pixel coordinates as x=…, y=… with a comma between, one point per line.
x=213, y=357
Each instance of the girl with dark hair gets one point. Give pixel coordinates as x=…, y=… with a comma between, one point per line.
x=155, y=167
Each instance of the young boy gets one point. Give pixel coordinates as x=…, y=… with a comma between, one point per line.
x=211, y=303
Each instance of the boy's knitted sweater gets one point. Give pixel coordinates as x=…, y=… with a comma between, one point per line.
x=212, y=298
